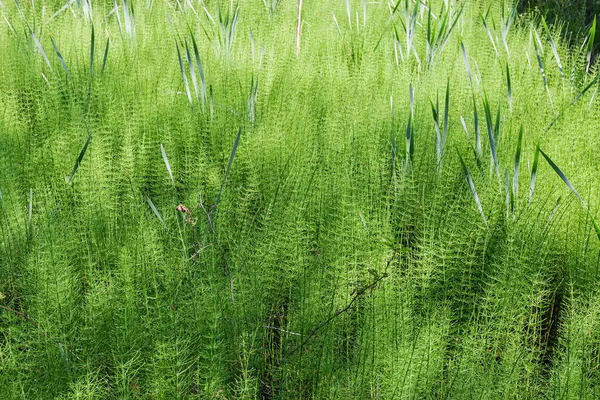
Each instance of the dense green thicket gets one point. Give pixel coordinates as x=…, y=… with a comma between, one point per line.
x=195, y=203
x=574, y=16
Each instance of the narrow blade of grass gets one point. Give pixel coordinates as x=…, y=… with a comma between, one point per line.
x=79, y=159
x=62, y=60
x=231, y=158
x=554, y=49
x=509, y=88
x=571, y=187
x=438, y=133
x=490, y=129
x=472, y=187
x=167, y=163
x=477, y=128
x=200, y=70
x=517, y=164
x=590, y=48
x=192, y=70
x=184, y=76
x=105, y=55
x=40, y=49
x=489, y=34
x=534, y=168
x=467, y=66
x=446, y=111
x=154, y=210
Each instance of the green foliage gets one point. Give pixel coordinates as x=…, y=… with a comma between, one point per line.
x=205, y=213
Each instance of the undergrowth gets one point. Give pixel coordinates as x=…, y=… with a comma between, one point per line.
x=197, y=202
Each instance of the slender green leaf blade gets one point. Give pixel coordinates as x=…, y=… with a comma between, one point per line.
x=79, y=159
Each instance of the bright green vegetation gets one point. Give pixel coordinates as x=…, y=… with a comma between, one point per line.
x=367, y=215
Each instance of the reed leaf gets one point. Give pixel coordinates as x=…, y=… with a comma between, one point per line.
x=517, y=164
x=571, y=187
x=167, y=163
x=509, y=88
x=105, y=55
x=40, y=49
x=155, y=211
x=231, y=158
x=467, y=66
x=472, y=187
x=62, y=60
x=184, y=76
x=78, y=161
x=490, y=130
x=534, y=168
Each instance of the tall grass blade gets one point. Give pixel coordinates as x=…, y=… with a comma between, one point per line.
x=40, y=49
x=509, y=88
x=553, y=47
x=79, y=159
x=491, y=133
x=472, y=187
x=477, y=128
x=467, y=66
x=517, y=164
x=105, y=55
x=231, y=157
x=184, y=76
x=438, y=133
x=62, y=61
x=590, y=45
x=570, y=186
x=167, y=163
x=192, y=70
x=200, y=69
x=489, y=33
x=534, y=168
x=155, y=211
x=446, y=111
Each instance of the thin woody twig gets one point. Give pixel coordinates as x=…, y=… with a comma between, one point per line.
x=357, y=294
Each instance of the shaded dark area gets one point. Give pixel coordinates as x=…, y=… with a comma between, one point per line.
x=576, y=15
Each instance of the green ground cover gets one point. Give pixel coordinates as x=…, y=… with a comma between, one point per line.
x=201, y=199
